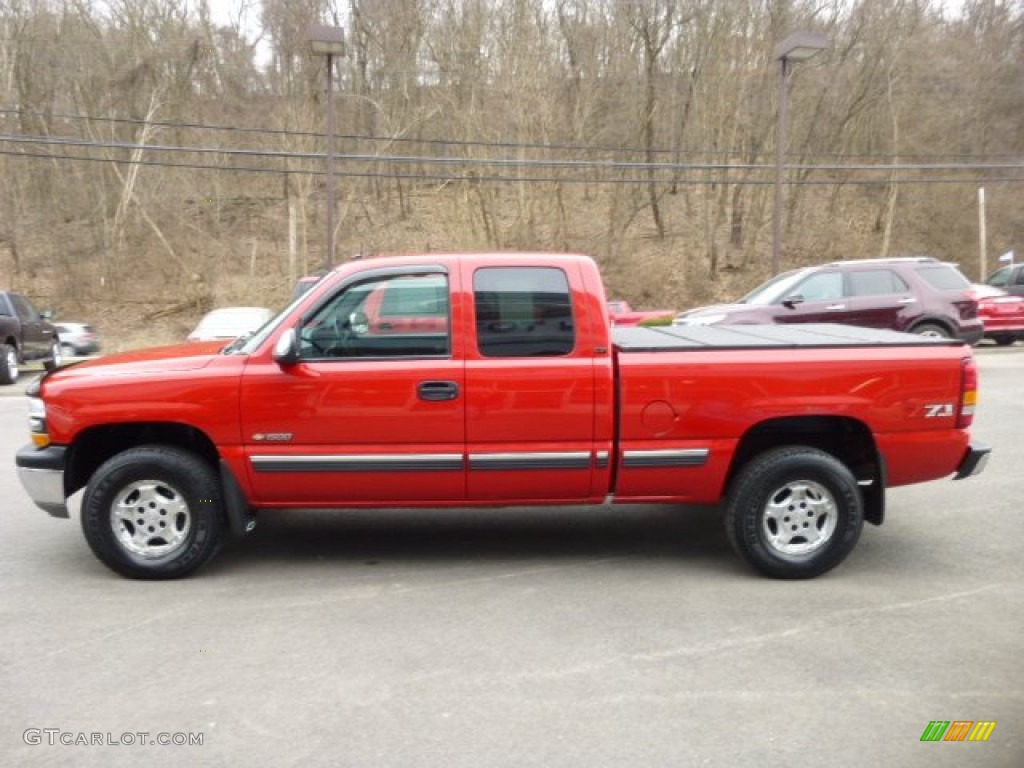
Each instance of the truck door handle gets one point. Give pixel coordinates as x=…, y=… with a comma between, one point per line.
x=437, y=390
x=907, y=300
x=835, y=307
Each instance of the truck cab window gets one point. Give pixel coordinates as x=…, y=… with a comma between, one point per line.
x=391, y=316
x=23, y=307
x=523, y=312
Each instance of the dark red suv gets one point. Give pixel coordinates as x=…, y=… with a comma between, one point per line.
x=918, y=294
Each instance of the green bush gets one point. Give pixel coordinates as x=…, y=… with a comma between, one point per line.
x=656, y=321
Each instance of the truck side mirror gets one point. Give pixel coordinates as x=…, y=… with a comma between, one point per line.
x=359, y=323
x=286, y=350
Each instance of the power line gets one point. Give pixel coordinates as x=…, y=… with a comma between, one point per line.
x=473, y=143
x=477, y=178
x=576, y=165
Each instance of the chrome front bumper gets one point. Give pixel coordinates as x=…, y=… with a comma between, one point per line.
x=41, y=472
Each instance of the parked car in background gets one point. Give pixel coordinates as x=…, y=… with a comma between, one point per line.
x=1010, y=278
x=1002, y=313
x=306, y=282
x=620, y=313
x=25, y=334
x=920, y=295
x=77, y=339
x=230, y=323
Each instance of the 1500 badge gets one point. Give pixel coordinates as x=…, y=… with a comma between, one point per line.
x=272, y=437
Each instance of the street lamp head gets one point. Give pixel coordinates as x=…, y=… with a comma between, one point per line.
x=800, y=46
x=328, y=41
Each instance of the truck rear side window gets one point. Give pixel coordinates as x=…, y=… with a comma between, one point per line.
x=523, y=312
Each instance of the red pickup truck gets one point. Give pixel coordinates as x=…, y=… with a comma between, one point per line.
x=513, y=390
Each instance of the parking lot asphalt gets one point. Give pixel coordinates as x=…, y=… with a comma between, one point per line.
x=615, y=636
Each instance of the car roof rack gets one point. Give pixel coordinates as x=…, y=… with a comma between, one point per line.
x=886, y=260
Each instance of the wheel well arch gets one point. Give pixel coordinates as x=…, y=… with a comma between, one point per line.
x=848, y=439
x=97, y=444
x=942, y=322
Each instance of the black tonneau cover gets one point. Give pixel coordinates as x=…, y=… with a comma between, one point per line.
x=692, y=337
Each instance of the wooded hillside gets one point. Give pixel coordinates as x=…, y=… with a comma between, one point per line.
x=154, y=152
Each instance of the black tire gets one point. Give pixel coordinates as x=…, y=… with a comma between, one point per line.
x=1004, y=339
x=180, y=513
x=56, y=358
x=8, y=364
x=932, y=330
x=794, y=512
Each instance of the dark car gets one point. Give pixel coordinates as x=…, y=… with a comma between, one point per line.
x=1002, y=313
x=1010, y=278
x=917, y=294
x=25, y=334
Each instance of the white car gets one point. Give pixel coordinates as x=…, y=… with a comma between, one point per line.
x=77, y=338
x=230, y=323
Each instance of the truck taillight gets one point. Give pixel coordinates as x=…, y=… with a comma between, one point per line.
x=968, y=392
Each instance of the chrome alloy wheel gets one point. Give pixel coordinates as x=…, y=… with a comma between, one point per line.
x=799, y=518
x=12, y=363
x=150, y=519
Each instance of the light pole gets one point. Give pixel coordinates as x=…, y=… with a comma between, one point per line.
x=799, y=46
x=330, y=42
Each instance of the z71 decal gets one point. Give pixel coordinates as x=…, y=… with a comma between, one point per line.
x=938, y=411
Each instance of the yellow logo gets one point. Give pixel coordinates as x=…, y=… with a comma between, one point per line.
x=958, y=730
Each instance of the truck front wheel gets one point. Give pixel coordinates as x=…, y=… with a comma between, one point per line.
x=153, y=512
x=794, y=512
x=8, y=364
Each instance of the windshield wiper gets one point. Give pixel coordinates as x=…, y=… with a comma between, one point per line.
x=238, y=343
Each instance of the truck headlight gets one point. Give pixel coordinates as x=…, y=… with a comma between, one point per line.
x=37, y=422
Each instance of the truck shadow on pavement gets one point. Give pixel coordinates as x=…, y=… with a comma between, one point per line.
x=527, y=534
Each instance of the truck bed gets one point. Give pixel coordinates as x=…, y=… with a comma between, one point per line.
x=805, y=335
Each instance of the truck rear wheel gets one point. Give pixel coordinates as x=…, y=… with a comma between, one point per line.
x=153, y=512
x=794, y=512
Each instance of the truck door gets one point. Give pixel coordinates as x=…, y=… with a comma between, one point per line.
x=35, y=334
x=368, y=414
x=531, y=391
